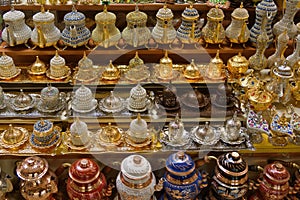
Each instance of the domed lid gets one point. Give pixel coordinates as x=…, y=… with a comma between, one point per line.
x=234, y=122
x=32, y=168
x=57, y=61
x=112, y=102
x=138, y=91
x=84, y=171
x=180, y=164
x=105, y=16
x=240, y=13
x=215, y=14
x=176, y=124
x=190, y=13
x=13, y=15
x=277, y=173
x=78, y=127
x=13, y=135
x=74, y=16
x=42, y=126
x=6, y=61
x=170, y=88
x=22, y=100
x=136, y=61
x=283, y=71
x=224, y=89
x=238, y=60
x=83, y=91
x=206, y=134
x=85, y=62
x=249, y=81
x=232, y=164
x=110, y=134
x=217, y=60
x=138, y=126
x=111, y=72
x=135, y=167
x=166, y=60
x=38, y=67
x=136, y=16
x=164, y=13
x=259, y=95
x=191, y=71
x=43, y=16
x=195, y=99
x=49, y=91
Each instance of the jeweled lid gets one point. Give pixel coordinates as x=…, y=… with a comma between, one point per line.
x=85, y=62
x=135, y=167
x=43, y=16
x=13, y=15
x=111, y=72
x=105, y=16
x=216, y=14
x=78, y=127
x=43, y=126
x=49, y=92
x=164, y=13
x=84, y=171
x=240, y=13
x=190, y=13
x=32, y=168
x=22, y=100
x=232, y=164
x=249, y=81
x=283, y=71
x=110, y=134
x=276, y=173
x=138, y=126
x=260, y=95
x=112, y=102
x=136, y=16
x=83, y=91
x=138, y=91
x=136, y=61
x=57, y=61
x=6, y=61
x=180, y=164
x=38, y=67
x=166, y=60
x=74, y=16
x=13, y=135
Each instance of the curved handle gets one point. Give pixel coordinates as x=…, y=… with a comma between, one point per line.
x=255, y=168
x=207, y=159
x=285, y=163
x=62, y=168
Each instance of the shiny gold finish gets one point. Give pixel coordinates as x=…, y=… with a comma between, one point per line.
x=110, y=134
x=111, y=72
x=249, y=81
x=165, y=67
x=191, y=71
x=14, y=137
x=182, y=182
x=135, y=61
x=231, y=182
x=38, y=67
x=85, y=188
x=259, y=98
x=237, y=65
x=215, y=69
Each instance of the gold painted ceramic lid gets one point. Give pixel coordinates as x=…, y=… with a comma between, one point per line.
x=192, y=71
x=164, y=13
x=215, y=14
x=240, y=13
x=105, y=17
x=136, y=16
x=38, y=67
x=13, y=135
x=259, y=95
x=136, y=61
x=166, y=60
x=111, y=72
x=110, y=134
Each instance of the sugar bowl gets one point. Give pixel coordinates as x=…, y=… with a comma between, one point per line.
x=136, y=180
x=230, y=180
x=38, y=182
x=182, y=180
x=86, y=181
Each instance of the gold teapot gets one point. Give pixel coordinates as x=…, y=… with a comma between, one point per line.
x=38, y=67
x=106, y=33
x=260, y=99
x=237, y=65
x=213, y=32
x=111, y=73
x=215, y=69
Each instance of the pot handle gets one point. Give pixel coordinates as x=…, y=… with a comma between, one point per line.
x=285, y=163
x=62, y=168
x=255, y=168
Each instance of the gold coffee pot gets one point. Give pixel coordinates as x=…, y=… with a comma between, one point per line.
x=213, y=32
x=215, y=69
x=111, y=73
x=237, y=65
x=106, y=33
x=38, y=67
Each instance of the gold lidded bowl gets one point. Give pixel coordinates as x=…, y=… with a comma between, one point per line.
x=215, y=68
x=14, y=137
x=110, y=135
x=249, y=81
x=111, y=73
x=237, y=65
x=259, y=98
x=191, y=71
x=38, y=67
x=112, y=103
x=22, y=101
x=8, y=69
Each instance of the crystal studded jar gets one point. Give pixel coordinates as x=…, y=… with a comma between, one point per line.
x=83, y=100
x=213, y=32
x=86, y=181
x=38, y=182
x=189, y=30
x=137, y=101
x=182, y=180
x=58, y=69
x=86, y=71
x=8, y=69
x=136, y=33
x=45, y=33
x=50, y=97
x=230, y=180
x=79, y=133
x=274, y=183
x=237, y=32
x=265, y=13
x=164, y=32
x=106, y=33
x=15, y=31
x=136, y=180
x=75, y=33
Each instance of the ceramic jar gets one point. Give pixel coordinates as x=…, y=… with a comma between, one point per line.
x=75, y=33
x=274, y=183
x=230, y=180
x=136, y=33
x=15, y=31
x=237, y=32
x=287, y=21
x=295, y=56
x=265, y=13
x=106, y=33
x=38, y=182
x=45, y=33
x=136, y=180
x=213, y=32
x=86, y=181
x=189, y=29
x=164, y=32
x=5, y=185
x=182, y=180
